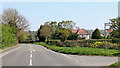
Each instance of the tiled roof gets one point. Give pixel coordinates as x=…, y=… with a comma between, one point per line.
x=109, y=30
x=80, y=32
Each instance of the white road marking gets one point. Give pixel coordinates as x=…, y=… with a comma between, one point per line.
x=72, y=58
x=33, y=50
x=111, y=63
x=30, y=51
x=30, y=62
x=65, y=55
x=31, y=55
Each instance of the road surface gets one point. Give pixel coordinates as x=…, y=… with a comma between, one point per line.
x=37, y=55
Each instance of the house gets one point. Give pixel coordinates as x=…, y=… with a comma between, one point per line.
x=108, y=31
x=81, y=33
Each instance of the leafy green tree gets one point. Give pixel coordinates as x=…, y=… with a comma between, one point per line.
x=14, y=19
x=30, y=37
x=8, y=36
x=63, y=34
x=116, y=27
x=44, y=32
x=96, y=34
x=0, y=34
x=66, y=25
x=24, y=36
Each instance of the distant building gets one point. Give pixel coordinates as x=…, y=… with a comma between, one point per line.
x=108, y=31
x=81, y=33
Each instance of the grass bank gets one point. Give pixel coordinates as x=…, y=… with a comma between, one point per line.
x=115, y=65
x=81, y=50
x=5, y=47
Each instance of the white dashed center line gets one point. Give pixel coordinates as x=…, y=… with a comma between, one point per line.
x=30, y=55
x=30, y=62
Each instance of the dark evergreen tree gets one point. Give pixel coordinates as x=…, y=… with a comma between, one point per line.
x=96, y=34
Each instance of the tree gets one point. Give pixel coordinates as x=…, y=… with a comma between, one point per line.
x=96, y=34
x=53, y=25
x=66, y=25
x=23, y=36
x=116, y=27
x=8, y=36
x=44, y=32
x=73, y=36
x=63, y=34
x=14, y=19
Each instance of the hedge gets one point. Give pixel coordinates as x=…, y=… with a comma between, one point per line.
x=52, y=42
x=81, y=43
x=84, y=43
x=8, y=36
x=81, y=50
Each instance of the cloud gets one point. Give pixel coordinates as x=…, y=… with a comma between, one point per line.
x=59, y=0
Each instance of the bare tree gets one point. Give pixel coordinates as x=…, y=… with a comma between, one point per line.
x=15, y=20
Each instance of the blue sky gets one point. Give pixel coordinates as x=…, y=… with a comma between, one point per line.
x=87, y=15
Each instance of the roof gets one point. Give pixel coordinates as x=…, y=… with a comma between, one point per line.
x=80, y=32
x=109, y=30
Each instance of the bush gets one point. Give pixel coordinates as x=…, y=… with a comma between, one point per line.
x=61, y=44
x=115, y=65
x=73, y=36
x=51, y=42
x=83, y=37
x=88, y=43
x=79, y=38
x=8, y=36
x=116, y=40
x=99, y=44
x=81, y=50
x=113, y=46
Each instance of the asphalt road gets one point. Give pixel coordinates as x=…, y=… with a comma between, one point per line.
x=36, y=55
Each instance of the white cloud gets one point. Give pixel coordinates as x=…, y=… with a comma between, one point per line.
x=59, y=0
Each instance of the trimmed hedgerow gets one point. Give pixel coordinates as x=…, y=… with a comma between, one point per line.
x=81, y=50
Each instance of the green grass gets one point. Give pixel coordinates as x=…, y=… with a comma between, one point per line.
x=1, y=48
x=81, y=50
x=115, y=65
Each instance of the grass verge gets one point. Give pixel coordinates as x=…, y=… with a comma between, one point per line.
x=81, y=50
x=5, y=47
x=115, y=65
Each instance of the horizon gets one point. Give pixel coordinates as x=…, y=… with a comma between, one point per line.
x=86, y=15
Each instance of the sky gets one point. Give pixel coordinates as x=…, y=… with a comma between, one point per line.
x=86, y=15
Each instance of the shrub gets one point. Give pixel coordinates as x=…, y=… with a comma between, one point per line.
x=96, y=34
x=113, y=46
x=79, y=38
x=51, y=42
x=99, y=44
x=115, y=65
x=61, y=44
x=102, y=45
x=115, y=40
x=82, y=50
x=73, y=36
x=8, y=36
x=83, y=37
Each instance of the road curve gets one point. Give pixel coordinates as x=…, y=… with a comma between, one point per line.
x=37, y=55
